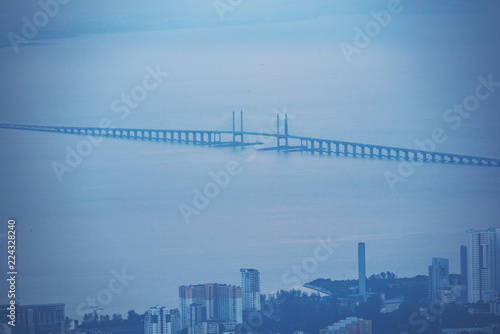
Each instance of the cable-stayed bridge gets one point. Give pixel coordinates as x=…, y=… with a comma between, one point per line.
x=283, y=142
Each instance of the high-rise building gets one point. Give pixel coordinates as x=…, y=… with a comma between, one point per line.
x=197, y=315
x=209, y=302
x=37, y=319
x=483, y=264
x=362, y=270
x=439, y=277
x=463, y=273
x=250, y=289
x=174, y=322
x=160, y=320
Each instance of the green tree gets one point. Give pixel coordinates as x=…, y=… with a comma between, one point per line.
x=133, y=318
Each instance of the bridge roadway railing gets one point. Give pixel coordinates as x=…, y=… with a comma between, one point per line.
x=353, y=149
x=379, y=151
x=200, y=137
x=291, y=143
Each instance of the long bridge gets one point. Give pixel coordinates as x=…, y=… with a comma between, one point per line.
x=284, y=142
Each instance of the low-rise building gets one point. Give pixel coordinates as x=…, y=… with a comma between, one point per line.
x=350, y=325
x=36, y=319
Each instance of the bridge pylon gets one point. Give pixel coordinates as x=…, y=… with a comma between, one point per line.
x=234, y=131
x=286, y=130
x=241, y=126
x=235, y=134
x=278, y=131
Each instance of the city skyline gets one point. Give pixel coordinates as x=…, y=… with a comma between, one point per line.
x=438, y=274
x=200, y=305
x=436, y=262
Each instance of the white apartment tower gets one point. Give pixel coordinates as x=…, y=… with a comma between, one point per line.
x=483, y=264
x=209, y=302
x=160, y=320
x=250, y=289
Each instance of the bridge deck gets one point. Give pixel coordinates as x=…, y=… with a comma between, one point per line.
x=291, y=143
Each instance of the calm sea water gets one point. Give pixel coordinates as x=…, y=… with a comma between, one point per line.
x=119, y=208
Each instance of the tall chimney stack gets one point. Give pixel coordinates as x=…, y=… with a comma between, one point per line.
x=362, y=270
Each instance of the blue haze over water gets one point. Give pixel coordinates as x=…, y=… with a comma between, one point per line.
x=119, y=208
